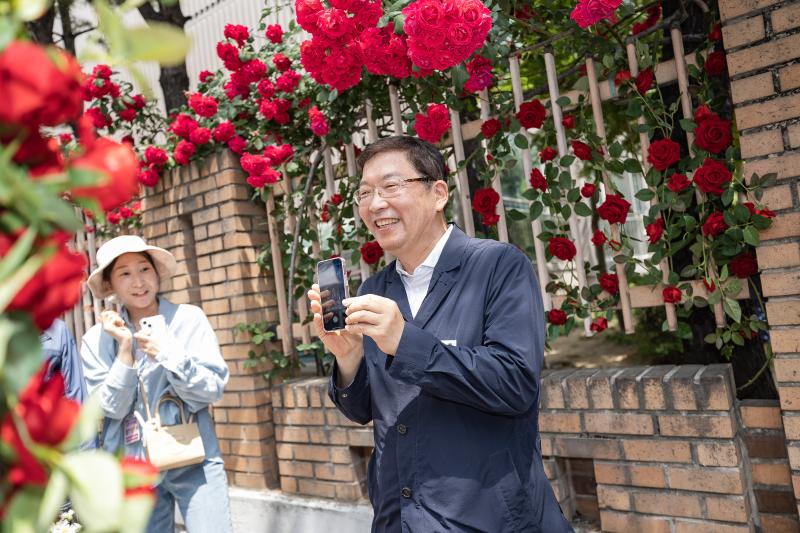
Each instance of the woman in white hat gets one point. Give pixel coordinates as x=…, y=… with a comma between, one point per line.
x=184, y=361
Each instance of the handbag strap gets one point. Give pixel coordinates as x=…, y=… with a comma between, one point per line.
x=174, y=399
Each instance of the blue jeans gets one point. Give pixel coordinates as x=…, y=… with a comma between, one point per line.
x=201, y=492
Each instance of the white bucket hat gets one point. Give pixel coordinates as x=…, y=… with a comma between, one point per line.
x=164, y=261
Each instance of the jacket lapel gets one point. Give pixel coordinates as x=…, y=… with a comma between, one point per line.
x=395, y=290
x=444, y=277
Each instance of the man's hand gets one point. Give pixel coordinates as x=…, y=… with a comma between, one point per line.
x=378, y=318
x=346, y=346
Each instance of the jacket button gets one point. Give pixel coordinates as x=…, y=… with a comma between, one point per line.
x=402, y=429
x=406, y=492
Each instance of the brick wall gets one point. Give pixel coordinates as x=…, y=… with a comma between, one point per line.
x=762, y=41
x=664, y=448
x=204, y=216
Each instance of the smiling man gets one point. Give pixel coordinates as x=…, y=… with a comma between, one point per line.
x=442, y=352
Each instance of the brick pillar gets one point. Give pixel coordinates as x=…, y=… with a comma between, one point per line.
x=762, y=41
x=204, y=216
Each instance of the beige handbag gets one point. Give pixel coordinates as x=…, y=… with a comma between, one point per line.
x=170, y=447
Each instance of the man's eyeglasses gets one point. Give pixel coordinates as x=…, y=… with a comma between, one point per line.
x=389, y=190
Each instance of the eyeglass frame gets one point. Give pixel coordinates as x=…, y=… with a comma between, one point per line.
x=375, y=190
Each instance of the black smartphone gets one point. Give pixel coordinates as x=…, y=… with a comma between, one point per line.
x=332, y=280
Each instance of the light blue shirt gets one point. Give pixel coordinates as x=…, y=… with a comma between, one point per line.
x=189, y=366
x=417, y=282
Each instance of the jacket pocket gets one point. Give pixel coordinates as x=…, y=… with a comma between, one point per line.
x=515, y=497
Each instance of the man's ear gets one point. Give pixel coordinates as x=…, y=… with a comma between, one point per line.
x=441, y=193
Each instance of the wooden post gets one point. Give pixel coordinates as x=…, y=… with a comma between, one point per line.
x=350, y=155
x=397, y=116
x=287, y=336
x=462, y=185
x=502, y=224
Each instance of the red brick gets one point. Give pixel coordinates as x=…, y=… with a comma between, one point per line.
x=576, y=388
x=692, y=425
x=586, y=448
x=617, y=423
x=657, y=450
x=250, y=481
x=772, y=474
x=794, y=135
x=311, y=453
x=785, y=254
x=785, y=340
x=763, y=55
x=600, y=392
x=560, y=422
x=616, y=522
x=669, y=504
x=633, y=475
x=786, y=368
x=706, y=479
x=781, y=283
x=348, y=492
x=777, y=197
x=693, y=526
x=729, y=9
x=341, y=455
x=743, y=31
x=296, y=468
x=752, y=87
x=778, y=523
x=727, y=508
x=307, y=417
x=784, y=225
x=785, y=165
x=334, y=472
x=717, y=454
x=653, y=387
x=786, y=18
x=613, y=498
x=762, y=143
x=291, y=434
x=791, y=424
x=760, y=416
x=323, y=489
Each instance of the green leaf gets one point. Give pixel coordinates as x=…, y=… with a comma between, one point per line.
x=727, y=197
x=160, y=42
x=563, y=101
x=55, y=494
x=20, y=350
x=515, y=215
x=615, y=149
x=742, y=213
x=732, y=309
x=8, y=30
x=574, y=195
x=88, y=471
x=567, y=160
x=20, y=515
x=583, y=210
x=645, y=195
x=614, y=166
x=687, y=124
x=566, y=211
x=521, y=141
x=536, y=210
x=751, y=236
x=633, y=166
x=85, y=428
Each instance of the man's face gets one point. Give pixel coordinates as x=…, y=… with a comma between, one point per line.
x=403, y=222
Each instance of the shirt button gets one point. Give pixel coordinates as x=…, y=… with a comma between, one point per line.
x=344, y=395
x=402, y=429
x=406, y=492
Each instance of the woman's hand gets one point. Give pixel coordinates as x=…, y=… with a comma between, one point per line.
x=116, y=327
x=148, y=343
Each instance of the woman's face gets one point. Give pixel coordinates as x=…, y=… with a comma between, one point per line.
x=135, y=282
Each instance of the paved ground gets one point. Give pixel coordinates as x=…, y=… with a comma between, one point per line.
x=579, y=351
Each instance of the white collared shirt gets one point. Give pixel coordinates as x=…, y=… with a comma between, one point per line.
x=416, y=283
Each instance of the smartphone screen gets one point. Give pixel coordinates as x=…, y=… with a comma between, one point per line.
x=333, y=289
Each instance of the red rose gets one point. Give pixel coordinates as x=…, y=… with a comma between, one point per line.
x=715, y=63
x=671, y=294
x=599, y=238
x=663, y=153
x=237, y=145
x=148, y=176
x=568, y=122
x=702, y=113
x=655, y=230
x=766, y=212
x=609, y=283
x=200, y=136
x=614, y=209
x=183, y=152
x=139, y=477
x=127, y=114
x=319, y=124
x=183, y=125
x=431, y=126
x=581, y=150
x=288, y=81
x=40, y=86
x=599, y=324
x=589, y=12
x=204, y=106
x=678, y=183
x=716, y=33
x=371, y=252
x=229, y=55
x=237, y=32
x=274, y=33
x=557, y=317
x=281, y=62
x=490, y=219
x=644, y=80
x=744, y=265
x=490, y=127
x=118, y=163
x=156, y=156
x=621, y=77
x=99, y=119
x=485, y=200
x=334, y=24
x=113, y=218
x=709, y=285
x=531, y=114
x=538, y=181
x=224, y=132
x=587, y=191
x=713, y=135
x=55, y=287
x=562, y=248
x=548, y=154
x=125, y=212
x=205, y=75
x=712, y=176
x=714, y=224
x=480, y=74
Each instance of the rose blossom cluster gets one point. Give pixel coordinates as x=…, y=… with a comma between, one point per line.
x=443, y=33
x=589, y=12
x=432, y=125
x=107, y=101
x=485, y=201
x=262, y=169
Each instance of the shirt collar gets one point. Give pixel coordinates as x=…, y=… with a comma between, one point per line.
x=433, y=256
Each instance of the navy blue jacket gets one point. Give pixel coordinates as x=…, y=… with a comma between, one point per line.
x=61, y=354
x=455, y=411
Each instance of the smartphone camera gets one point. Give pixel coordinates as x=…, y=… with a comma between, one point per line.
x=332, y=279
